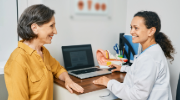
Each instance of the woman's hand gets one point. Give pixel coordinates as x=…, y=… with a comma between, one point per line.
x=102, y=81
x=70, y=85
x=118, y=67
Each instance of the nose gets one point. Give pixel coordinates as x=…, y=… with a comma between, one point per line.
x=131, y=31
x=55, y=31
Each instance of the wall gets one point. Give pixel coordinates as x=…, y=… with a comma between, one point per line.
x=168, y=10
x=8, y=25
x=98, y=30
x=8, y=38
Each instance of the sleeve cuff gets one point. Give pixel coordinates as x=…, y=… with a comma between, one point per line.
x=123, y=68
x=110, y=84
x=60, y=71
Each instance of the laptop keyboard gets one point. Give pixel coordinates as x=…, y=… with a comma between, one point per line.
x=86, y=71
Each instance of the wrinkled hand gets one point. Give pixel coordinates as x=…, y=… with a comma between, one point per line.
x=70, y=85
x=102, y=81
x=118, y=67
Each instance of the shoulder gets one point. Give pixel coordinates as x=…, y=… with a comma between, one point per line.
x=154, y=56
x=156, y=53
x=151, y=56
x=18, y=56
x=12, y=67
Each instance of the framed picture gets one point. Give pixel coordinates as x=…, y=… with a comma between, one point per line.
x=91, y=7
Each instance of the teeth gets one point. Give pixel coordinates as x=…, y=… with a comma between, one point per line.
x=134, y=36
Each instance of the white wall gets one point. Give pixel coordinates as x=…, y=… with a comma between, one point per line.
x=99, y=31
x=8, y=25
x=8, y=30
x=8, y=38
x=169, y=12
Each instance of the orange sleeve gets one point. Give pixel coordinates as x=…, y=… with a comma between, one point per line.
x=16, y=81
x=56, y=68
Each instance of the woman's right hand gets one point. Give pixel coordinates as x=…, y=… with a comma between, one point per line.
x=118, y=67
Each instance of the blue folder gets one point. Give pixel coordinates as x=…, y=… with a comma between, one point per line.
x=135, y=46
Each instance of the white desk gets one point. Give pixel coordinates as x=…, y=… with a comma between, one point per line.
x=91, y=91
x=63, y=94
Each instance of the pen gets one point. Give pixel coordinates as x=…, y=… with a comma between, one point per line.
x=123, y=50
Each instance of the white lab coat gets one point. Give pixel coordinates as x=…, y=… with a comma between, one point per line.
x=147, y=78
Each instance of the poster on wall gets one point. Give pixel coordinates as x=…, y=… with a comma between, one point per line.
x=95, y=7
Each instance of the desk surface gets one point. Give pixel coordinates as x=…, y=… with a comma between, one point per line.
x=88, y=85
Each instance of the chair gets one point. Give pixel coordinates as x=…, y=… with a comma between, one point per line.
x=178, y=90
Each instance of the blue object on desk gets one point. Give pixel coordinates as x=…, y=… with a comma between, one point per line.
x=131, y=49
x=135, y=46
x=116, y=48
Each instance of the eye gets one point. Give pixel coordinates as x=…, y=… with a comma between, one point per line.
x=130, y=27
x=136, y=28
x=51, y=25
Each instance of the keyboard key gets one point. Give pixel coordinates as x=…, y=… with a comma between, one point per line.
x=86, y=71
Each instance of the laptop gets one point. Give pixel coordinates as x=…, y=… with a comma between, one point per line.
x=79, y=61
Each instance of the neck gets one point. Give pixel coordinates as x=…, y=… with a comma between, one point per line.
x=148, y=43
x=34, y=44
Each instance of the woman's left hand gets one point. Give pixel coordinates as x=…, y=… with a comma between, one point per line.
x=70, y=85
x=102, y=81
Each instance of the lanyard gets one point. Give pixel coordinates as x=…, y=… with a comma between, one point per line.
x=146, y=49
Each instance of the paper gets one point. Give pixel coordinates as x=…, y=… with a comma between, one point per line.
x=102, y=66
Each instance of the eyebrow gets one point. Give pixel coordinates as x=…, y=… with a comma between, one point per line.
x=53, y=23
x=133, y=25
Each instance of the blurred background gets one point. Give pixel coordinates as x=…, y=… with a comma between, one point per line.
x=95, y=22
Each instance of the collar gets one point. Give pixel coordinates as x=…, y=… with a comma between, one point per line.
x=25, y=47
x=146, y=49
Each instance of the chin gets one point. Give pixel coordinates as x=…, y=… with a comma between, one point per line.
x=49, y=42
x=134, y=41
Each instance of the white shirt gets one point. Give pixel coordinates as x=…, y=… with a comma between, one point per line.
x=147, y=78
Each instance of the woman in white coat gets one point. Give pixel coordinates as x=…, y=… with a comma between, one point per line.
x=148, y=78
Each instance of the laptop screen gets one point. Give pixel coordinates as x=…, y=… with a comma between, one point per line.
x=77, y=56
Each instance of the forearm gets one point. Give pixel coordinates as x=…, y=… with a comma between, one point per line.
x=125, y=92
x=64, y=76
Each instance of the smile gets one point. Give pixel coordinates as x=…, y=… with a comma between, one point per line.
x=51, y=36
x=134, y=36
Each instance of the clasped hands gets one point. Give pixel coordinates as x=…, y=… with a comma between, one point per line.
x=69, y=84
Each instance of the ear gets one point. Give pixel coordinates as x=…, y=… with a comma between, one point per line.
x=34, y=28
x=152, y=31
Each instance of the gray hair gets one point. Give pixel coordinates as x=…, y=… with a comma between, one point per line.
x=39, y=14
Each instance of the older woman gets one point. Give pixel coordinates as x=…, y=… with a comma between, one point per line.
x=30, y=69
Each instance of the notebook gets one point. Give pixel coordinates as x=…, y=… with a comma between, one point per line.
x=79, y=61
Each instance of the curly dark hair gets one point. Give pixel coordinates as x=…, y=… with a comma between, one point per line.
x=151, y=19
x=39, y=14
